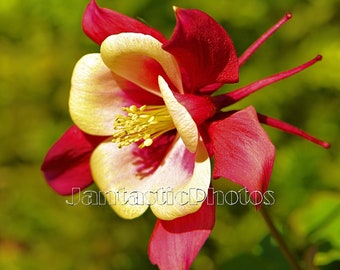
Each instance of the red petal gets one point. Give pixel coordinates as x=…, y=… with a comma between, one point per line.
x=174, y=244
x=99, y=23
x=66, y=164
x=200, y=108
x=243, y=152
x=203, y=48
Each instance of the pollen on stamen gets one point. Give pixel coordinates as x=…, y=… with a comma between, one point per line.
x=141, y=125
x=148, y=142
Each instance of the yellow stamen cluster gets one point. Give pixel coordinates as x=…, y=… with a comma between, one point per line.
x=144, y=123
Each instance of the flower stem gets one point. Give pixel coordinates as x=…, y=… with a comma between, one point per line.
x=280, y=241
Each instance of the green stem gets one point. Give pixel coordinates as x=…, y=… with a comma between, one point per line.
x=280, y=241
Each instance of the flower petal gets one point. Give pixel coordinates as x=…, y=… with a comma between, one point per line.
x=140, y=59
x=123, y=174
x=66, y=165
x=97, y=96
x=131, y=183
x=99, y=23
x=174, y=244
x=203, y=48
x=188, y=177
x=243, y=152
x=182, y=119
x=115, y=173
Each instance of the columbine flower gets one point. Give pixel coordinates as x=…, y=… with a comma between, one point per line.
x=146, y=124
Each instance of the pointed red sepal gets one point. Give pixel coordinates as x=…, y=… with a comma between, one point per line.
x=290, y=129
x=66, y=165
x=174, y=244
x=203, y=48
x=243, y=152
x=99, y=23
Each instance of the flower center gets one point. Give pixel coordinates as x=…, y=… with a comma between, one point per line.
x=143, y=123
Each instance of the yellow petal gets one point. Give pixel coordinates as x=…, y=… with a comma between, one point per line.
x=140, y=59
x=95, y=96
x=182, y=119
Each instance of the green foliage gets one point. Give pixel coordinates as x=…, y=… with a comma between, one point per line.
x=318, y=222
x=40, y=42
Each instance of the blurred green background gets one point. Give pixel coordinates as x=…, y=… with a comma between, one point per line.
x=40, y=42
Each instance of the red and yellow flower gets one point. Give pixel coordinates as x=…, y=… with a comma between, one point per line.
x=146, y=121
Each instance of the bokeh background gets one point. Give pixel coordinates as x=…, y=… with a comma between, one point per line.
x=40, y=42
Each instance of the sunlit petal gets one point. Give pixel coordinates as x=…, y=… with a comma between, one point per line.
x=97, y=95
x=182, y=119
x=140, y=59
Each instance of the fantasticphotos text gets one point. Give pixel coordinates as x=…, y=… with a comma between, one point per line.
x=170, y=196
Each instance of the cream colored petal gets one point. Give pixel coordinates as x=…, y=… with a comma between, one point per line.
x=114, y=170
x=132, y=55
x=178, y=186
x=95, y=96
x=187, y=184
x=182, y=119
